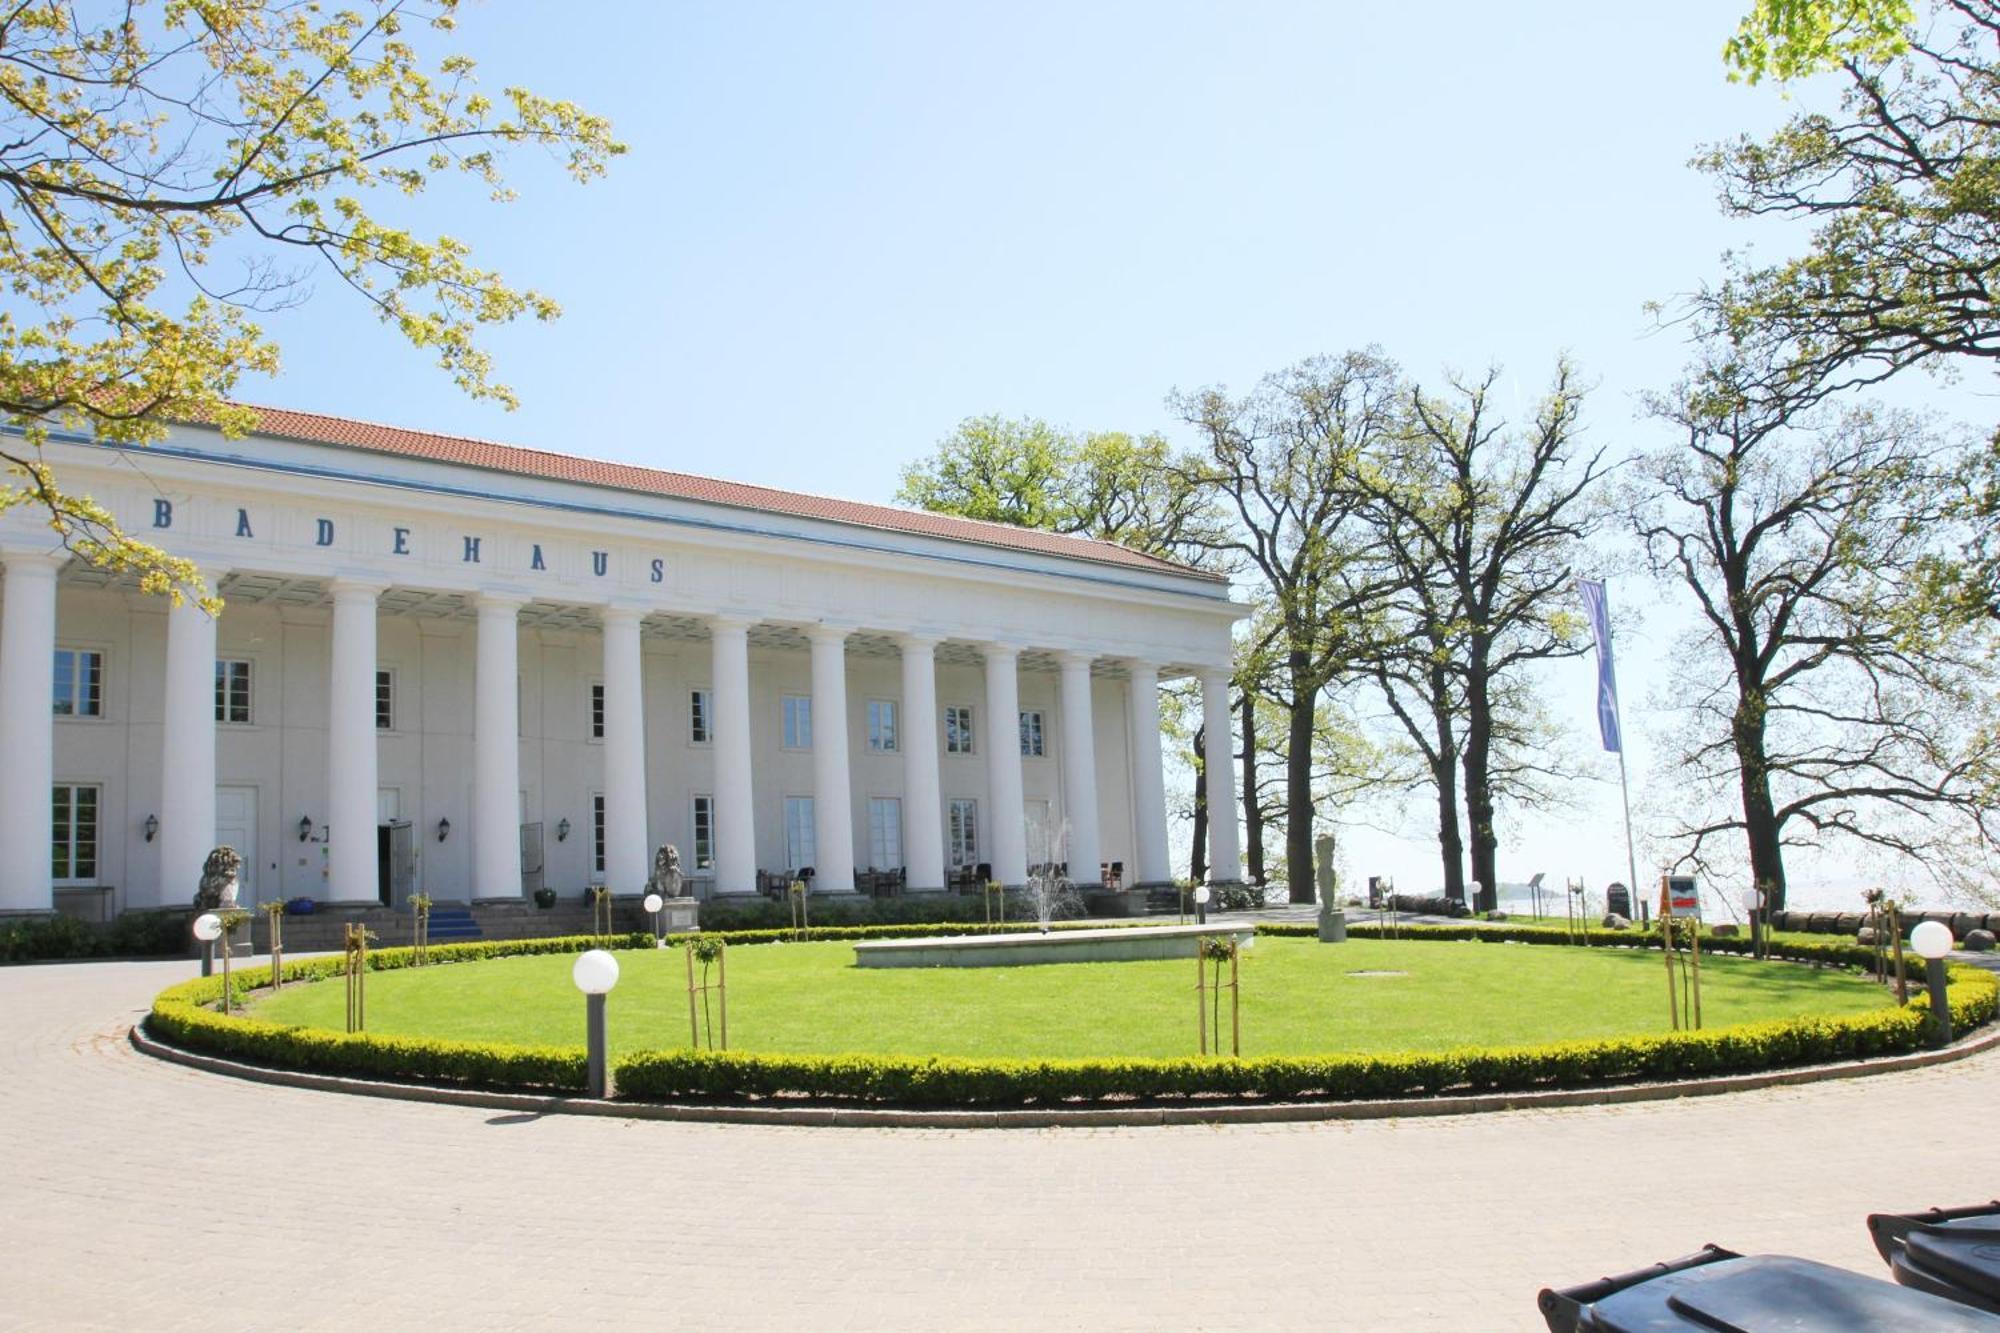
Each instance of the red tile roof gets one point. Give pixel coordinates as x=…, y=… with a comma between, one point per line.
x=466, y=452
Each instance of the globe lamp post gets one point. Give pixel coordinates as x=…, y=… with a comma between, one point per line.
x=595, y=973
x=1932, y=941
x=208, y=929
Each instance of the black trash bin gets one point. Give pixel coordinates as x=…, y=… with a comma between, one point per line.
x=1721, y=1291
x=1954, y=1253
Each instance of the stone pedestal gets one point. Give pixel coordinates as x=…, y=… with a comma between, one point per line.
x=678, y=915
x=1332, y=924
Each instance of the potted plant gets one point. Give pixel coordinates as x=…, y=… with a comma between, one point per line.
x=545, y=897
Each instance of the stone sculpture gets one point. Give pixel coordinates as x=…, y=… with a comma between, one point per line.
x=667, y=880
x=218, y=879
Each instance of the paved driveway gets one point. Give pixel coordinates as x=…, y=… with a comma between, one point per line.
x=140, y=1195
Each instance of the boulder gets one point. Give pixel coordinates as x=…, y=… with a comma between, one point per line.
x=1613, y=921
x=1848, y=922
x=1725, y=931
x=1496, y=916
x=1865, y=936
x=1978, y=941
x=1964, y=923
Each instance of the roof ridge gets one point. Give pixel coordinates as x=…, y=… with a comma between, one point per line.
x=1008, y=534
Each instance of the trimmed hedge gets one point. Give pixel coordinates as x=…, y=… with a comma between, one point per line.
x=1829, y=953
x=181, y=1014
x=939, y=1081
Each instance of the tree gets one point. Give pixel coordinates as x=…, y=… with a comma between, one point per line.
x=1105, y=484
x=1788, y=39
x=146, y=148
x=1897, y=185
x=1484, y=529
x=1279, y=460
x=1829, y=698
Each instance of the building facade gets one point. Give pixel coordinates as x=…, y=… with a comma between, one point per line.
x=470, y=670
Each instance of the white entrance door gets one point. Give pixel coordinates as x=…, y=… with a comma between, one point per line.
x=236, y=826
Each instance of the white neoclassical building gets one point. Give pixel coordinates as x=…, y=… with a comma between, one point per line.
x=471, y=670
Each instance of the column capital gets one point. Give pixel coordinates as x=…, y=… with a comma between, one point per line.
x=620, y=613
x=993, y=649
x=1141, y=666
x=349, y=588
x=1074, y=659
x=1215, y=675
x=723, y=622
x=917, y=641
x=498, y=601
x=822, y=631
x=33, y=560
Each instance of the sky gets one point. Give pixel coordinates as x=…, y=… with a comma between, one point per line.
x=841, y=229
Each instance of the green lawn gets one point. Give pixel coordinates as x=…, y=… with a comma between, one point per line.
x=1299, y=997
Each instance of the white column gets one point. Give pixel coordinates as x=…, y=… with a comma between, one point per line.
x=833, y=799
x=353, y=868
x=627, y=861
x=1225, y=854
x=27, y=731
x=923, y=814
x=1149, y=786
x=1006, y=820
x=735, y=822
x=496, y=752
x=1079, y=757
x=187, y=753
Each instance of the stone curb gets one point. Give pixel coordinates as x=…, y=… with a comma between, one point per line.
x=1237, y=1113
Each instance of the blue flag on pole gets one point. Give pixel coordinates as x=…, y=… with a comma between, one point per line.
x=1607, y=676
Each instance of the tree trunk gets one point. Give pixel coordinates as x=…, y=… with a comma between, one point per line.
x=1198, y=854
x=1451, y=847
x=1451, y=844
x=1760, y=816
x=1253, y=809
x=1478, y=779
x=1298, y=785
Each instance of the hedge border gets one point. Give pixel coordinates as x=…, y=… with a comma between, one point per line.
x=180, y=1016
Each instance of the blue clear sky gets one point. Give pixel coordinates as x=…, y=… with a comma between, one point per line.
x=841, y=229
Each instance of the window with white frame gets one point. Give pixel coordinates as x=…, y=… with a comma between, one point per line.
x=701, y=708
x=74, y=833
x=1031, y=733
x=882, y=726
x=597, y=833
x=885, y=832
x=597, y=710
x=958, y=729
x=79, y=683
x=798, y=722
x=962, y=828
x=704, y=833
x=385, y=701
x=799, y=849
x=232, y=690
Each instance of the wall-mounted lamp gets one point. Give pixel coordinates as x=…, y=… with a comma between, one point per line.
x=562, y=830
x=305, y=827
x=444, y=829
x=152, y=826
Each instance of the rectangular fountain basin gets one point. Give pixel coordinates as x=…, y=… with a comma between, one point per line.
x=1107, y=945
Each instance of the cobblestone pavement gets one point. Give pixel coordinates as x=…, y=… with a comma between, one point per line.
x=140, y=1195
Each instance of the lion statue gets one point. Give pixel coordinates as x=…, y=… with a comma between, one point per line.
x=667, y=880
x=218, y=879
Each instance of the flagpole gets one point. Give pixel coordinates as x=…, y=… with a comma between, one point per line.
x=1625, y=796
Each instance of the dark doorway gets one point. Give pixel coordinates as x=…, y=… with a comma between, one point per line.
x=382, y=865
